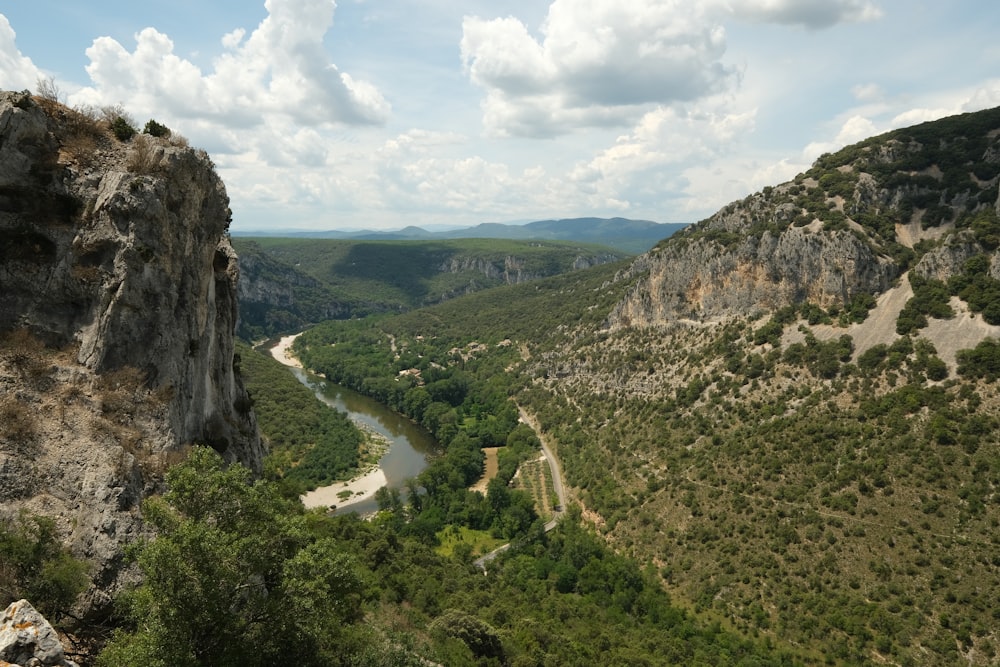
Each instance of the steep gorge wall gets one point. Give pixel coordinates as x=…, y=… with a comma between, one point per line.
x=923, y=198
x=134, y=266
x=118, y=302
x=704, y=280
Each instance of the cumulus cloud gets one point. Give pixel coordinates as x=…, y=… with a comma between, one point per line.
x=811, y=14
x=597, y=63
x=432, y=172
x=281, y=69
x=868, y=92
x=645, y=164
x=854, y=129
x=17, y=72
x=986, y=96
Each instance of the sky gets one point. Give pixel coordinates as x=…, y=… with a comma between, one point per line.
x=380, y=114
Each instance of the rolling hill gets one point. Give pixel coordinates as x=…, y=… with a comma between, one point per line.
x=621, y=234
x=286, y=283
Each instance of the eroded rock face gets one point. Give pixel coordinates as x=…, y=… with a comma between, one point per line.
x=705, y=279
x=26, y=638
x=116, y=257
x=127, y=255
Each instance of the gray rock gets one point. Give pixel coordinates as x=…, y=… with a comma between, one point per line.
x=135, y=266
x=118, y=255
x=26, y=638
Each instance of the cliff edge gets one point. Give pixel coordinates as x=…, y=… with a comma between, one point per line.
x=119, y=303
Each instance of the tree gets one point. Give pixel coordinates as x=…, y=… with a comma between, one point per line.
x=233, y=577
x=35, y=565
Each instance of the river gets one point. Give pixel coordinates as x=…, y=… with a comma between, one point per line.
x=410, y=446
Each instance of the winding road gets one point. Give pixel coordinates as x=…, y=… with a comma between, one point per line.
x=557, y=486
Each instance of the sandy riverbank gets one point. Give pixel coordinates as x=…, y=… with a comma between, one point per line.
x=355, y=490
x=339, y=494
x=282, y=351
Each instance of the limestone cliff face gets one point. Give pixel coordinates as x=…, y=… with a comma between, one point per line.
x=922, y=198
x=126, y=254
x=117, y=309
x=274, y=296
x=513, y=270
x=705, y=279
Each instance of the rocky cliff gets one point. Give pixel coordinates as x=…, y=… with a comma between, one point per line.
x=119, y=305
x=843, y=231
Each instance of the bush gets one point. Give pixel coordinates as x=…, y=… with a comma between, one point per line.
x=981, y=362
x=978, y=288
x=234, y=578
x=143, y=158
x=154, y=129
x=122, y=129
x=35, y=565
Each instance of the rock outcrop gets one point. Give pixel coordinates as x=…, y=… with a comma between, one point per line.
x=27, y=639
x=275, y=297
x=126, y=254
x=704, y=279
x=923, y=198
x=119, y=302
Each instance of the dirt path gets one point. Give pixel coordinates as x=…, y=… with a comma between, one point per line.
x=491, y=469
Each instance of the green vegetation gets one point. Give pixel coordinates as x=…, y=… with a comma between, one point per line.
x=981, y=362
x=930, y=299
x=310, y=443
x=730, y=468
x=35, y=565
x=155, y=129
x=234, y=578
x=237, y=576
x=122, y=128
x=978, y=288
x=943, y=172
x=333, y=279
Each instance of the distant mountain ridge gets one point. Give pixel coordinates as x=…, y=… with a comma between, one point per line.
x=286, y=283
x=632, y=236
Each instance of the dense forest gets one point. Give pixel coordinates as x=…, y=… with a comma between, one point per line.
x=288, y=283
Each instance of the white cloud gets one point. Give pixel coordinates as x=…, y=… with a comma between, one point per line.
x=645, y=165
x=707, y=188
x=812, y=14
x=868, y=92
x=232, y=39
x=854, y=129
x=281, y=69
x=599, y=63
x=17, y=72
x=986, y=96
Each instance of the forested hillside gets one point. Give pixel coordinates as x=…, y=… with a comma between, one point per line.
x=287, y=283
x=790, y=413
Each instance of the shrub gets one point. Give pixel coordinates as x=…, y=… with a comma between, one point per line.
x=143, y=158
x=978, y=288
x=33, y=564
x=122, y=130
x=981, y=362
x=234, y=578
x=47, y=89
x=17, y=421
x=155, y=129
